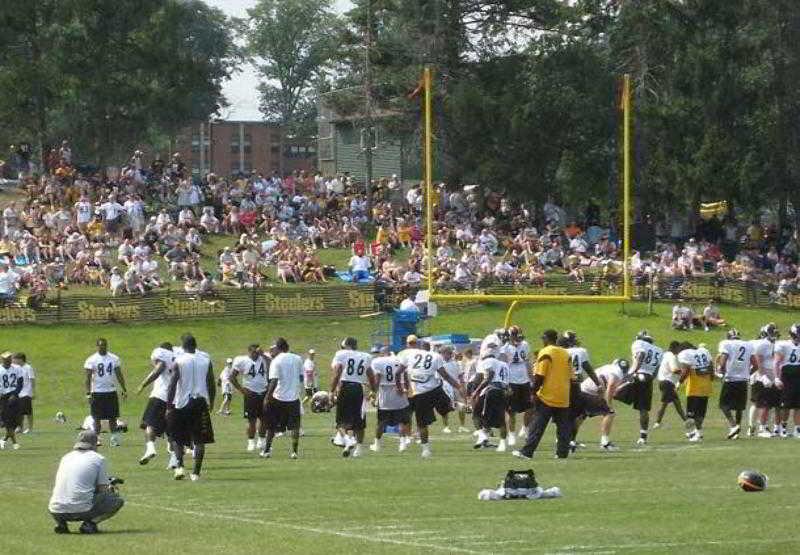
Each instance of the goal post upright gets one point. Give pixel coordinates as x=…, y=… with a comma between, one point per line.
x=515, y=300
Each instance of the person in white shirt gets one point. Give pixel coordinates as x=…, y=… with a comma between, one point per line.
x=669, y=378
x=735, y=363
x=190, y=393
x=103, y=376
x=282, y=402
x=490, y=397
x=391, y=400
x=84, y=210
x=787, y=377
x=764, y=394
x=254, y=369
x=646, y=360
x=598, y=399
x=310, y=376
x=82, y=490
x=359, y=267
x=408, y=304
x=154, y=419
x=11, y=382
x=412, y=277
x=28, y=393
x=351, y=371
x=426, y=373
x=226, y=388
x=519, y=383
x=452, y=367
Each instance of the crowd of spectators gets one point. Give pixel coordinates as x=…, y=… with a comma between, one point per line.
x=145, y=227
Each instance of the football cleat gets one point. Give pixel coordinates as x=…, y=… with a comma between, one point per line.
x=194, y=477
x=520, y=455
x=265, y=454
x=657, y=425
x=641, y=441
x=733, y=433
x=15, y=446
x=294, y=455
x=609, y=446
x=179, y=473
x=146, y=458
x=696, y=438
x=447, y=430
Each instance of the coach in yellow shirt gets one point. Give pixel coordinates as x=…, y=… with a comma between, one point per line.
x=551, y=383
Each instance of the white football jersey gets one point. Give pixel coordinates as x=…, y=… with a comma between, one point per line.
x=499, y=369
x=790, y=357
x=764, y=349
x=453, y=369
x=668, y=370
x=354, y=365
x=287, y=368
x=389, y=369
x=9, y=378
x=605, y=374
x=651, y=356
x=28, y=374
x=253, y=372
x=518, y=366
x=577, y=357
x=104, y=379
x=737, y=365
x=161, y=383
x=192, y=369
x=422, y=369
x=698, y=360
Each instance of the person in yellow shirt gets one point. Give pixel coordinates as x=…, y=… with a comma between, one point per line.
x=551, y=386
x=698, y=371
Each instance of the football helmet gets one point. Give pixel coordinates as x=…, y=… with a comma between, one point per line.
x=769, y=331
x=623, y=365
x=321, y=402
x=644, y=335
x=794, y=331
x=571, y=337
x=733, y=333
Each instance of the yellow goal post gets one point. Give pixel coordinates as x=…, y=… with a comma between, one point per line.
x=516, y=299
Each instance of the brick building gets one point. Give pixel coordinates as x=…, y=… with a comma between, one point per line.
x=230, y=147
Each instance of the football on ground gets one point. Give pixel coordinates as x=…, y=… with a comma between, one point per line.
x=670, y=496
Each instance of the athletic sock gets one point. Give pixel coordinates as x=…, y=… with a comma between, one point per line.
x=604, y=440
x=642, y=434
x=751, y=415
x=150, y=447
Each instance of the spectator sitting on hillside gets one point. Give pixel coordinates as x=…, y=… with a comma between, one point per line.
x=712, y=317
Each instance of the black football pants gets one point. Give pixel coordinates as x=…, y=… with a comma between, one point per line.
x=541, y=417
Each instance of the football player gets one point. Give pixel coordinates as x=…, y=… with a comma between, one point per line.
x=426, y=372
x=735, y=363
x=646, y=360
x=787, y=371
x=190, y=396
x=392, y=402
x=103, y=376
x=310, y=377
x=11, y=382
x=351, y=371
x=28, y=392
x=489, y=397
x=226, y=388
x=696, y=364
x=599, y=400
x=253, y=368
x=154, y=419
x=669, y=378
x=282, y=401
x=764, y=394
x=581, y=367
x=452, y=367
x=519, y=383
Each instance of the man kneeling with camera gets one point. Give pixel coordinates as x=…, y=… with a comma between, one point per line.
x=83, y=490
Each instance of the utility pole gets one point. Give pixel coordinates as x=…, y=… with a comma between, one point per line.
x=368, y=136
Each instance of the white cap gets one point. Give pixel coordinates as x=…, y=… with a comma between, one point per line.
x=311, y=351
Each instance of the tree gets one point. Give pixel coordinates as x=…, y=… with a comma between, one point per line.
x=291, y=43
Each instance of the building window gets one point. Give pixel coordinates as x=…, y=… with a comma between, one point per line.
x=235, y=144
x=234, y=168
x=248, y=145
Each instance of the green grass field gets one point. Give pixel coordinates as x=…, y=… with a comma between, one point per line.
x=668, y=497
